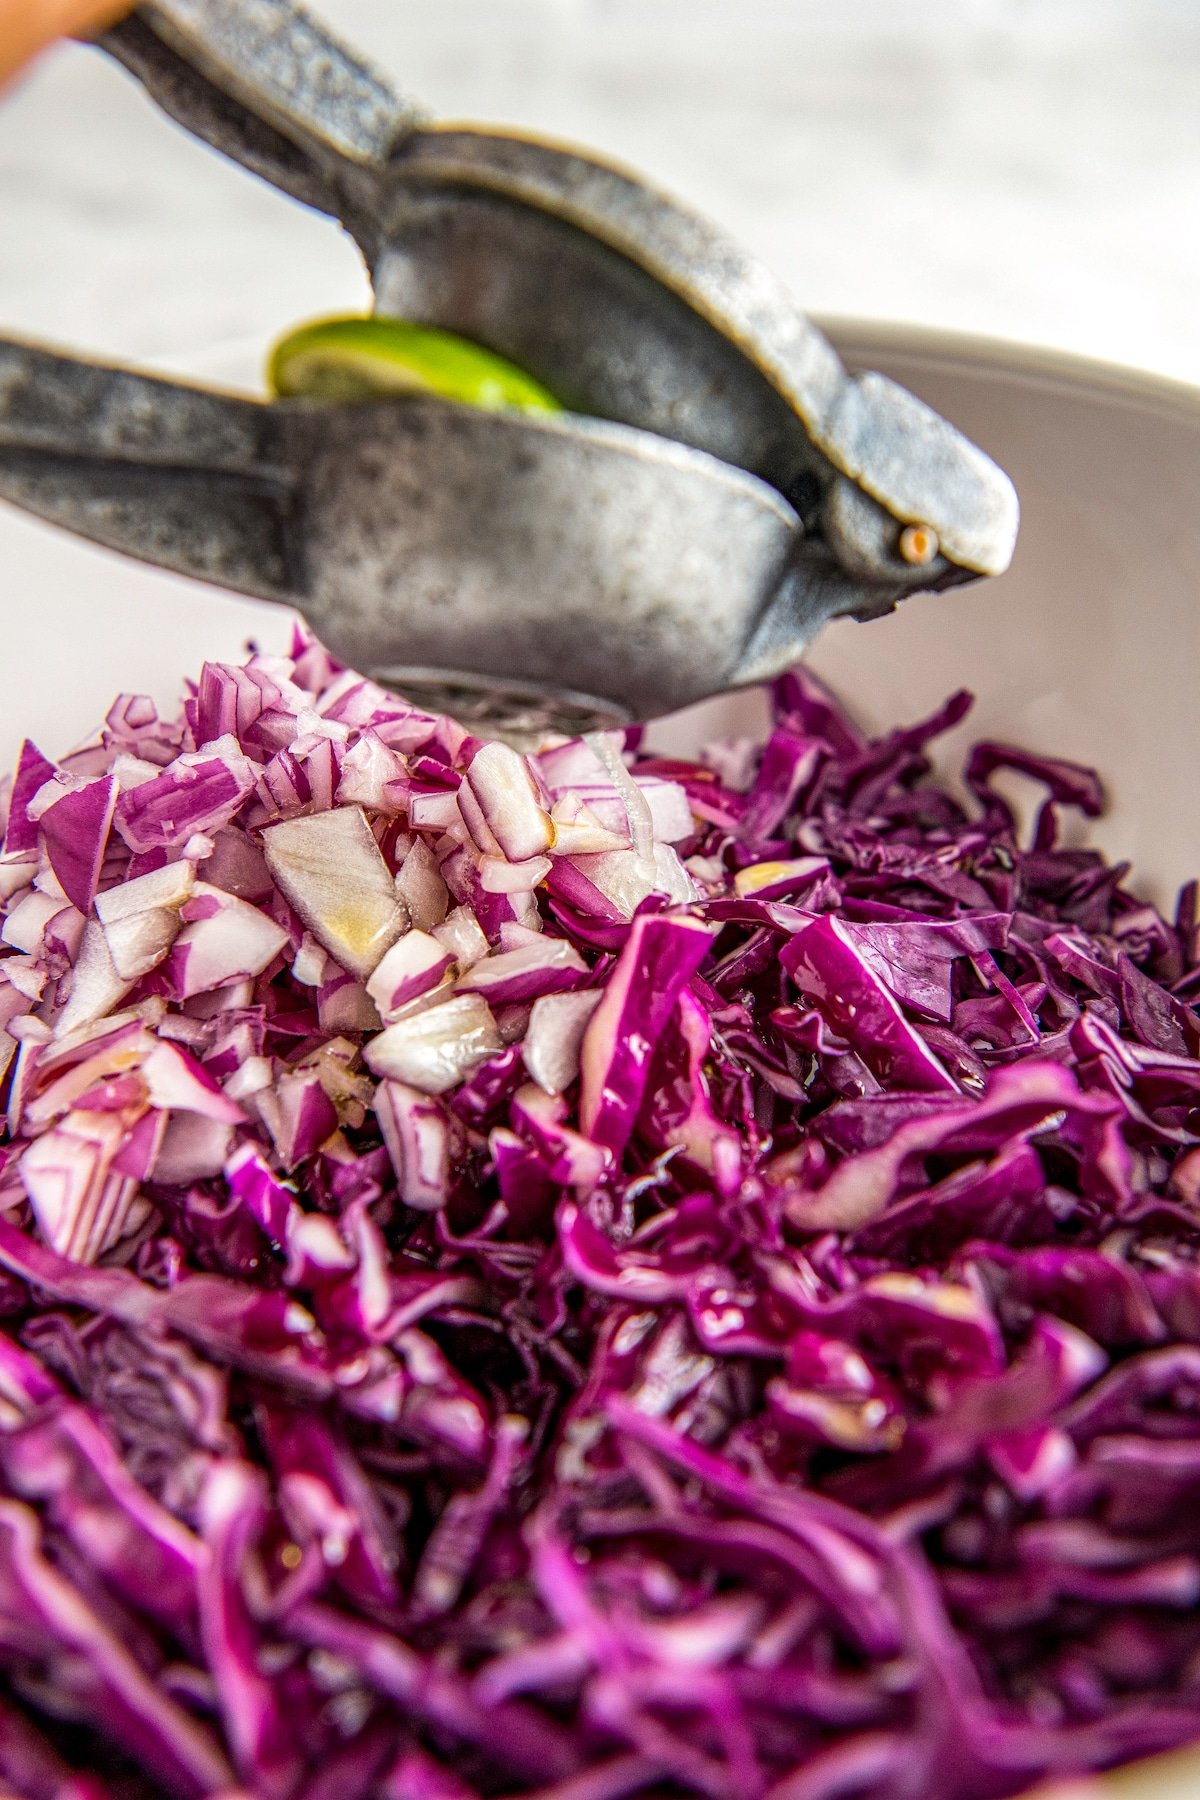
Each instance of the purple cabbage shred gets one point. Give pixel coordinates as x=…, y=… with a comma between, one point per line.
x=582, y=1276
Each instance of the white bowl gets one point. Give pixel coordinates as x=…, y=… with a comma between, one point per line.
x=1089, y=647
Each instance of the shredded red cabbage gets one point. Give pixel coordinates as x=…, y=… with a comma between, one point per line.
x=581, y=1276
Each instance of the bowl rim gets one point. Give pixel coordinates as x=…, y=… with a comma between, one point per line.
x=1044, y=366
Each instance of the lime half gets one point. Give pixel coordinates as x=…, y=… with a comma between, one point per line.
x=368, y=359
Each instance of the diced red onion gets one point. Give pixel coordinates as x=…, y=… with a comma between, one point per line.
x=546, y=966
x=500, y=784
x=33, y=771
x=332, y=872
x=75, y=832
x=579, y=830
x=343, y=1004
x=199, y=791
x=25, y=923
x=434, y=812
x=500, y=877
x=641, y=825
x=82, y=1203
x=141, y=918
x=421, y=888
x=461, y=938
x=417, y=1134
x=17, y=870
x=224, y=940
x=435, y=1050
x=95, y=986
x=310, y=963
x=372, y=776
x=415, y=965
x=193, y=1149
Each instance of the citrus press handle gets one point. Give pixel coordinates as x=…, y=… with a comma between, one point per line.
x=266, y=84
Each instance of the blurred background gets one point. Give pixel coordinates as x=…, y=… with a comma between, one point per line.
x=1028, y=169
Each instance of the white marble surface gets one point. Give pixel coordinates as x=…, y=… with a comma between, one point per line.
x=1028, y=168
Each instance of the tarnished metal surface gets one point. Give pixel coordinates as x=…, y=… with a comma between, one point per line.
x=282, y=65
x=733, y=489
x=573, y=557
x=263, y=82
x=914, y=464
x=626, y=303
x=630, y=568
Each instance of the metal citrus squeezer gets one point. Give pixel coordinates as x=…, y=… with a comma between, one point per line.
x=718, y=488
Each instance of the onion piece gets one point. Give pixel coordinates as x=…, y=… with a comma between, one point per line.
x=501, y=785
x=579, y=831
x=17, y=870
x=368, y=771
x=310, y=962
x=670, y=808
x=434, y=812
x=25, y=926
x=25, y=976
x=671, y=878
x=32, y=772
x=417, y=1134
x=415, y=965
x=343, y=1004
x=571, y=765
x=496, y=876
x=141, y=917
x=420, y=886
x=641, y=824
x=460, y=934
x=252, y=1077
x=75, y=831
x=554, y=1037
x=96, y=987
x=81, y=1205
x=193, y=1149
x=224, y=940
x=299, y=1115
x=621, y=876
x=473, y=819
x=546, y=966
x=236, y=864
x=433, y=1051
x=329, y=867
x=132, y=771
x=199, y=791
x=514, y=935
x=175, y=1082
x=47, y=882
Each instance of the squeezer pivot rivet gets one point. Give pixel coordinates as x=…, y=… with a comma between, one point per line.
x=918, y=545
